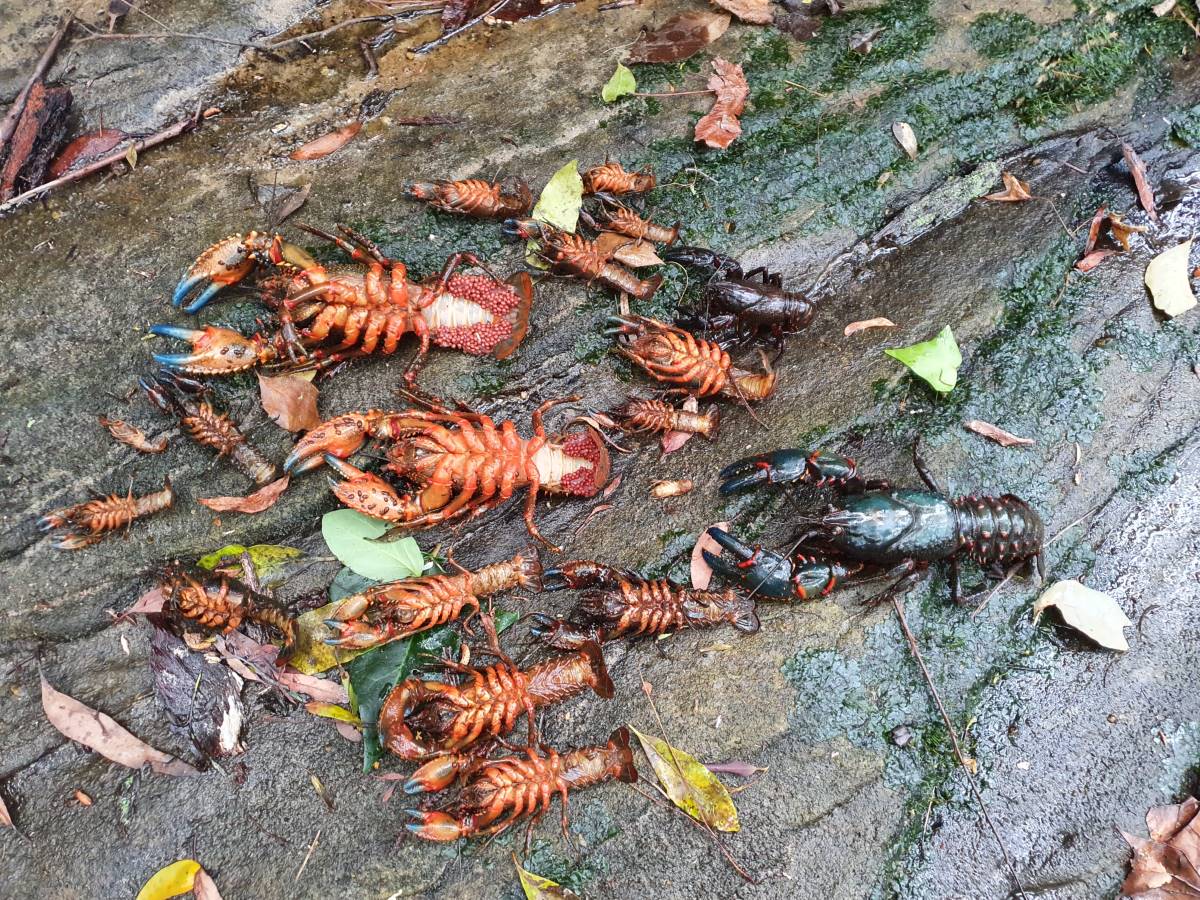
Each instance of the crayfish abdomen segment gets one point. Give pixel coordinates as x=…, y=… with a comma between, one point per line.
x=1001, y=529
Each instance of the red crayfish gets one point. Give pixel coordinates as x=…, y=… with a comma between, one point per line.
x=639, y=415
x=501, y=792
x=475, y=197
x=398, y=609
x=87, y=523
x=875, y=529
x=221, y=603
x=477, y=314
x=611, y=178
x=462, y=463
x=573, y=254
x=622, y=604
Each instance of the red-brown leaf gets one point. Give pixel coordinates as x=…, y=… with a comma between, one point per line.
x=84, y=149
x=863, y=325
x=701, y=571
x=150, y=602
x=1094, y=230
x=1144, y=191
x=720, y=126
x=318, y=688
x=756, y=12
x=204, y=888
x=263, y=498
x=291, y=401
x=999, y=435
x=679, y=37
x=1093, y=259
x=100, y=733
x=348, y=731
x=627, y=251
x=1015, y=190
x=321, y=147
x=673, y=440
x=5, y=817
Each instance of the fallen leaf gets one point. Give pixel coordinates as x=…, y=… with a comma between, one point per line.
x=289, y=400
x=863, y=325
x=1015, y=190
x=702, y=572
x=864, y=41
x=5, y=816
x=561, y=198
x=936, y=360
x=537, y=887
x=133, y=436
x=321, y=689
x=263, y=498
x=626, y=250
x=327, y=143
x=1163, y=8
x=1094, y=230
x=1167, y=865
x=679, y=37
x=906, y=138
x=1121, y=230
x=719, y=127
x=170, y=881
x=351, y=537
x=348, y=731
x=1137, y=168
x=84, y=149
x=1093, y=259
x=101, y=733
x=756, y=12
x=802, y=26
x=1090, y=612
x=203, y=699
x=278, y=201
x=611, y=487
x=40, y=129
x=267, y=559
x=204, y=887
x=999, y=435
x=674, y=440
x=150, y=602
x=1168, y=281
x=621, y=83
x=737, y=767
x=332, y=711
x=691, y=786
x=661, y=490
x=131, y=156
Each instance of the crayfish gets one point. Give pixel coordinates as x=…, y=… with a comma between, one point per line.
x=670, y=354
x=221, y=603
x=622, y=604
x=639, y=415
x=179, y=396
x=368, y=312
x=738, y=300
x=475, y=197
x=611, y=178
x=501, y=792
x=461, y=463
x=875, y=530
x=87, y=523
x=573, y=254
x=399, y=609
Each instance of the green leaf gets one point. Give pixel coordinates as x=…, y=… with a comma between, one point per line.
x=345, y=583
x=350, y=536
x=936, y=360
x=267, y=558
x=376, y=672
x=621, y=83
x=561, y=198
x=689, y=784
x=332, y=711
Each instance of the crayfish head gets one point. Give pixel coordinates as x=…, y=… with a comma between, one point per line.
x=215, y=351
x=525, y=229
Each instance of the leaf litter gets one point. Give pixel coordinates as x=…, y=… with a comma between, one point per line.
x=719, y=127
x=690, y=784
x=1092, y=613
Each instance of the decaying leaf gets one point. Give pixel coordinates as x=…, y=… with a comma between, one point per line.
x=756, y=12
x=719, y=127
x=5, y=816
x=561, y=198
x=1137, y=169
x=627, y=251
x=936, y=360
x=263, y=498
x=321, y=689
x=150, y=602
x=35, y=139
x=203, y=699
x=679, y=37
x=1015, y=190
x=332, y=711
x=738, y=767
x=1121, y=230
x=84, y=149
x=1093, y=259
x=1090, y=612
x=132, y=435
x=674, y=440
x=536, y=887
x=278, y=201
x=1168, y=279
x=804, y=18
x=1167, y=865
x=1117, y=227
x=864, y=41
x=291, y=401
x=661, y=490
x=321, y=147
x=101, y=733
x=204, y=888
x=267, y=559
x=878, y=322
x=689, y=784
x=999, y=435
x=170, y=881
x=906, y=138
x=701, y=571
x=455, y=13
x=621, y=83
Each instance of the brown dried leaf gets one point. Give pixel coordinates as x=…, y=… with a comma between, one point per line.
x=627, y=250
x=204, y=888
x=1138, y=169
x=321, y=147
x=455, y=13
x=611, y=487
x=278, y=201
x=263, y=498
x=864, y=41
x=719, y=127
x=150, y=602
x=906, y=138
x=1121, y=230
x=1093, y=259
x=756, y=12
x=801, y=26
x=5, y=817
x=84, y=149
x=1094, y=230
x=679, y=37
x=100, y=733
x=701, y=571
x=674, y=440
x=1165, y=822
x=999, y=435
x=290, y=400
x=321, y=689
x=878, y=322
x=1015, y=190
x=661, y=490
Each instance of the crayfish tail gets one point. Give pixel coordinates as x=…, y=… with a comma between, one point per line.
x=618, y=745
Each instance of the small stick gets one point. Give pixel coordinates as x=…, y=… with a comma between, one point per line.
x=368, y=53
x=454, y=32
x=308, y=855
x=706, y=829
x=962, y=760
x=14, y=113
x=181, y=127
x=673, y=94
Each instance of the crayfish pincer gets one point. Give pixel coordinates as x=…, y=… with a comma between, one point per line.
x=875, y=529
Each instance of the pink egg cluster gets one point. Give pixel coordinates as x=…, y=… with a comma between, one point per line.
x=582, y=482
x=496, y=298
x=478, y=340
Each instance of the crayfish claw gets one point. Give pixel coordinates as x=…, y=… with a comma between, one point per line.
x=215, y=351
x=338, y=438
x=435, y=826
x=224, y=263
x=758, y=570
x=776, y=467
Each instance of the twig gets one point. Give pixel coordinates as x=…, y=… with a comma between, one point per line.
x=992, y=593
x=1067, y=528
x=368, y=53
x=14, y=113
x=308, y=855
x=170, y=35
x=314, y=35
x=707, y=830
x=962, y=760
x=805, y=87
x=181, y=127
x=454, y=32
x=673, y=94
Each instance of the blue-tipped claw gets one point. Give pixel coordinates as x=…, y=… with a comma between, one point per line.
x=174, y=360
x=186, y=284
x=179, y=332
x=203, y=300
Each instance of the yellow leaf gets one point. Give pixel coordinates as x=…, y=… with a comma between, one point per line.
x=561, y=198
x=332, y=711
x=538, y=888
x=692, y=787
x=1169, y=280
x=312, y=654
x=131, y=156
x=170, y=881
x=1095, y=614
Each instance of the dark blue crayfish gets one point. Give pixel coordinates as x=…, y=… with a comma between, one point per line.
x=875, y=530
